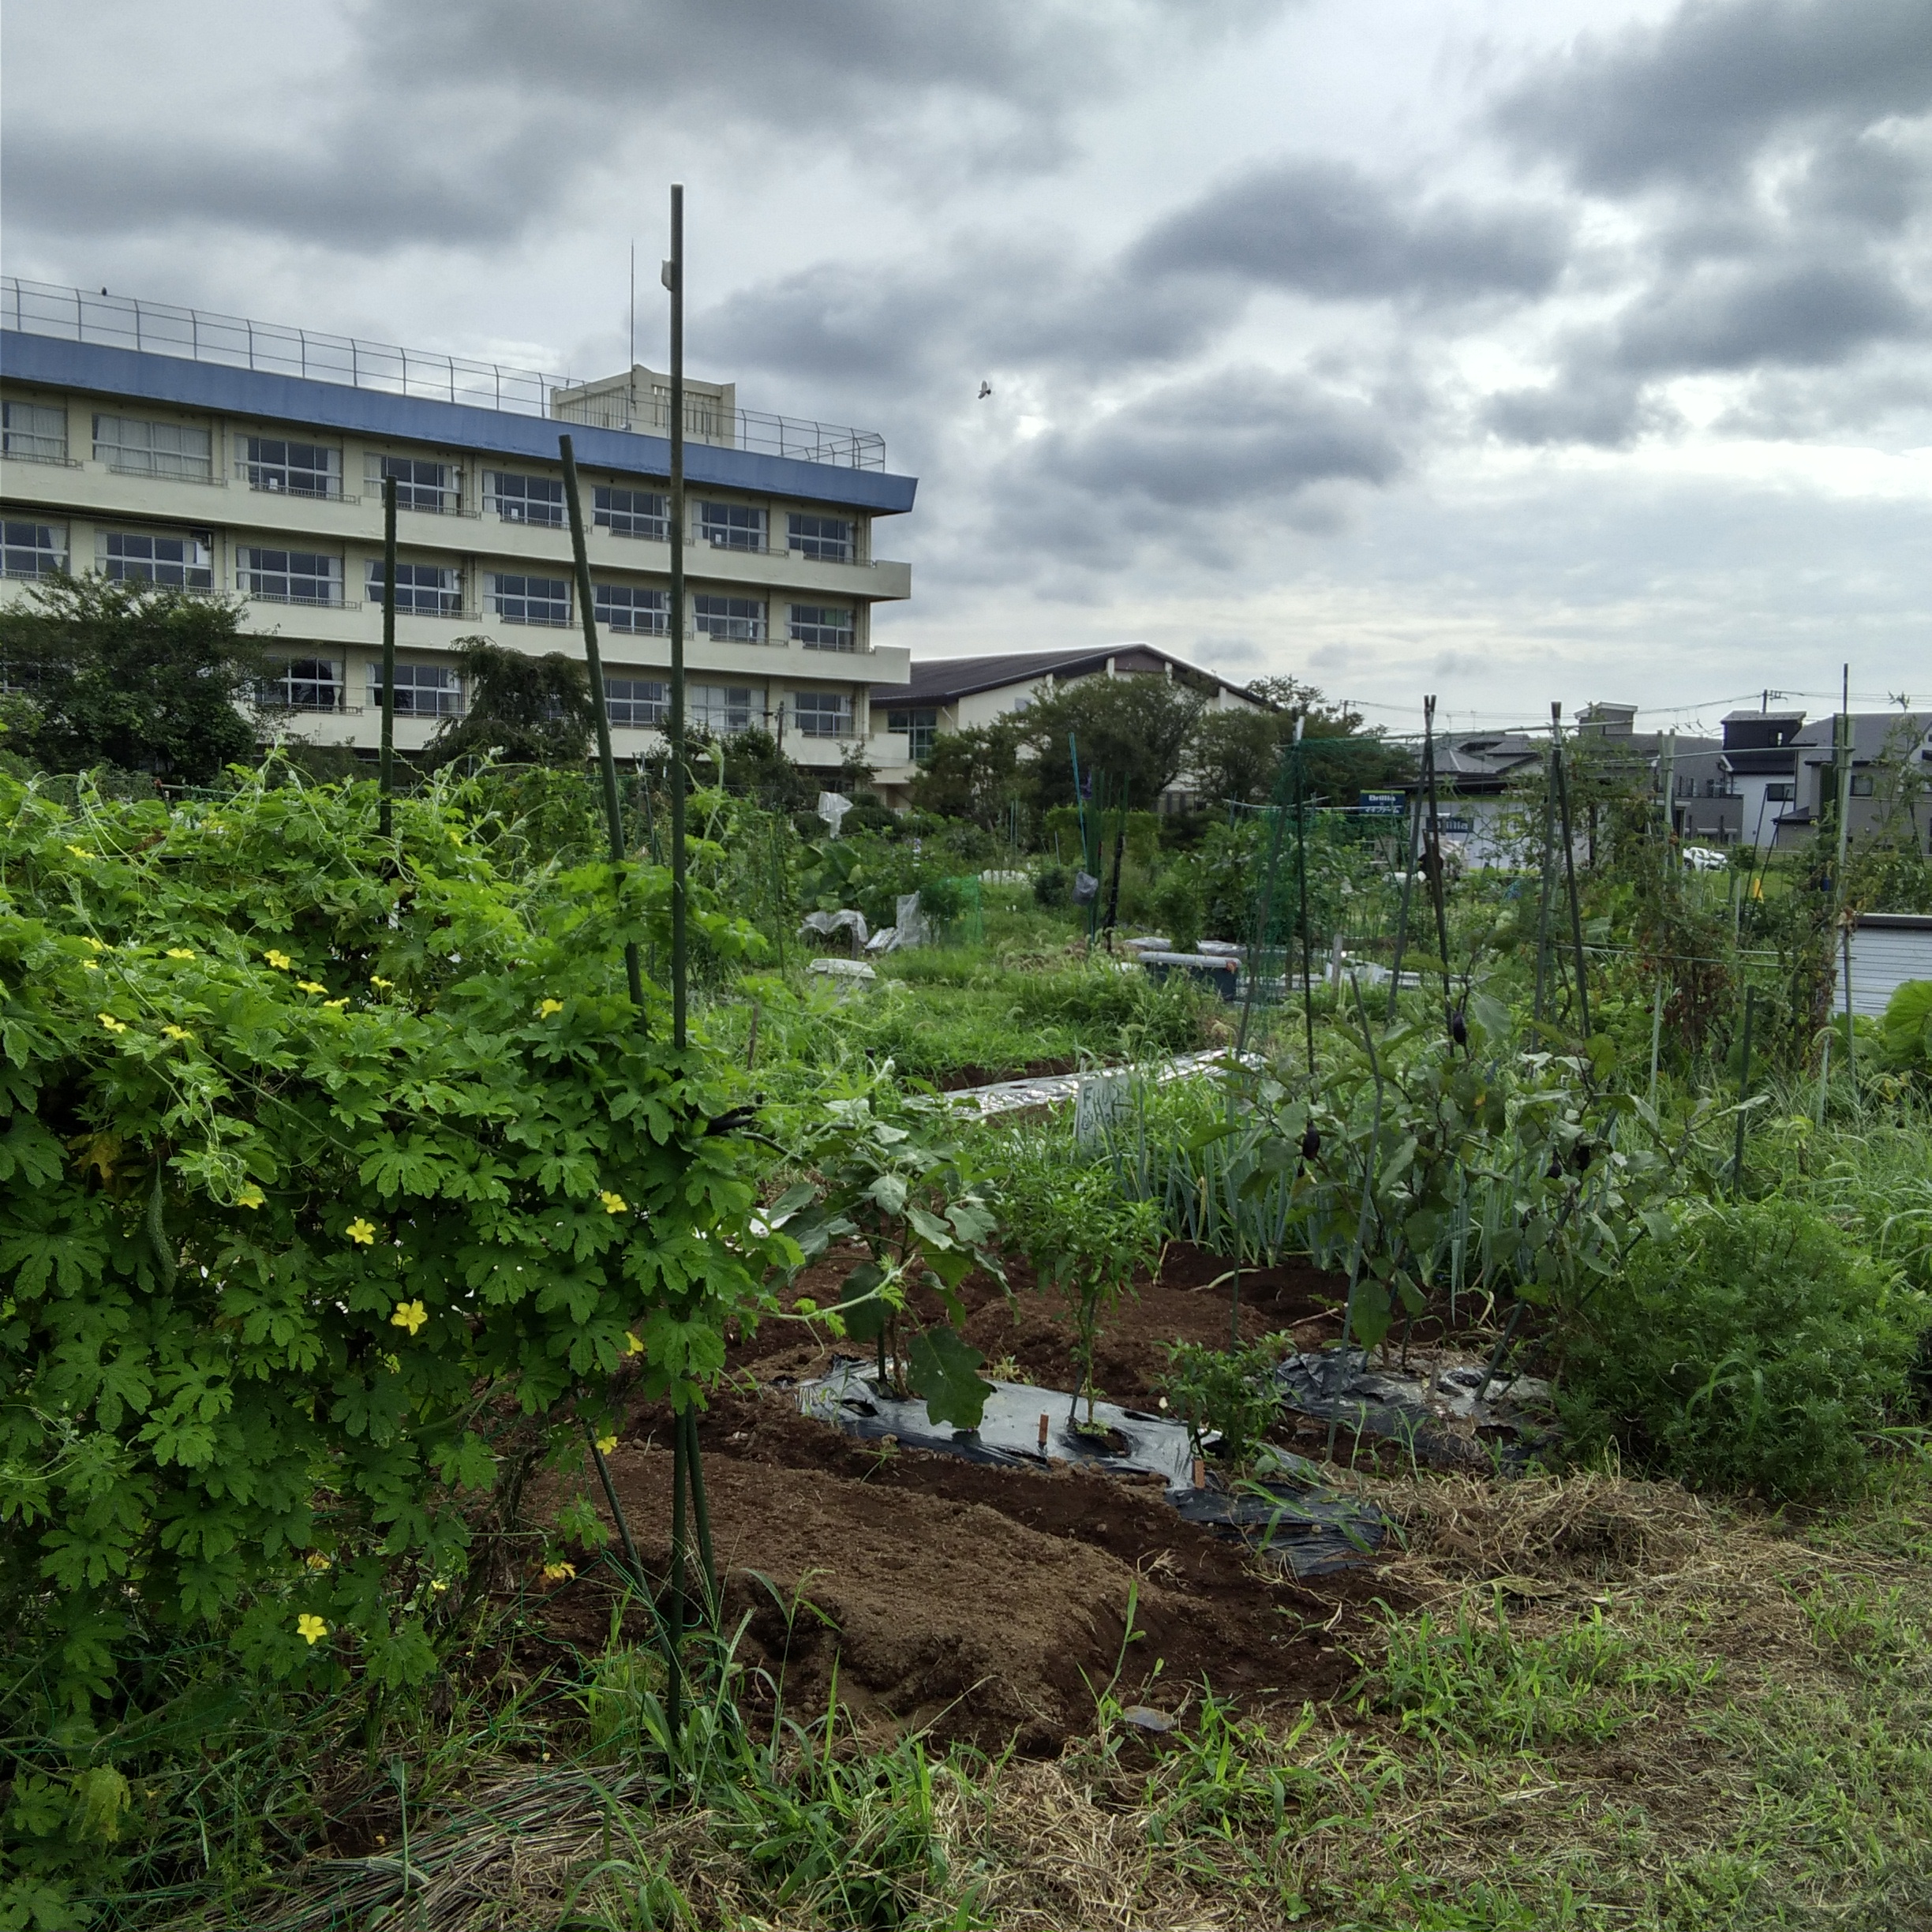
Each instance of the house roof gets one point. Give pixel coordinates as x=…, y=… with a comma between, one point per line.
x=1871, y=732
x=944, y=680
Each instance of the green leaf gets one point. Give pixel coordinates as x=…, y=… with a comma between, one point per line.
x=945, y=1370
x=1373, y=1316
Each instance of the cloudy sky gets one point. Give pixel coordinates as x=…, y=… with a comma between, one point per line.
x=1515, y=350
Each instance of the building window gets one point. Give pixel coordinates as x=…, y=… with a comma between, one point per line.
x=624, y=607
x=289, y=576
x=185, y=562
x=307, y=684
x=721, y=709
x=525, y=499
x=631, y=513
x=420, y=484
x=823, y=627
x=291, y=469
x=1861, y=784
x=531, y=599
x=33, y=431
x=421, y=690
x=822, y=714
x=731, y=527
x=920, y=726
x=638, y=702
x=33, y=550
x=829, y=539
x=730, y=620
x=422, y=589
x=1780, y=794
x=156, y=449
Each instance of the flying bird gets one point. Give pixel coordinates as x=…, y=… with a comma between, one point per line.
x=986, y=389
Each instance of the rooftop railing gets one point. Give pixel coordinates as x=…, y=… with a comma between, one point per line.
x=234, y=342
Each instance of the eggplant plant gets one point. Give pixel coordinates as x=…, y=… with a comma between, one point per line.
x=892, y=1178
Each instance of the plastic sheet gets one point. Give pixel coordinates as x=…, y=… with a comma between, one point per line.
x=1287, y=1513
x=1433, y=1409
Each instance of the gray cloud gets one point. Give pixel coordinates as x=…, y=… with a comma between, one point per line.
x=1197, y=465
x=1697, y=95
x=456, y=122
x=1327, y=229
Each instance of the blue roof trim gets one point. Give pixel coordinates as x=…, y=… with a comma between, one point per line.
x=111, y=372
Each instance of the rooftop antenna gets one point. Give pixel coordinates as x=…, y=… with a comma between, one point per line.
x=631, y=361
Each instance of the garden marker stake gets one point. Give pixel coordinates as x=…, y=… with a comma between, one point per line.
x=386, y=770
x=594, y=663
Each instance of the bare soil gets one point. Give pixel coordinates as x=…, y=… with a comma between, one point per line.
x=978, y=1602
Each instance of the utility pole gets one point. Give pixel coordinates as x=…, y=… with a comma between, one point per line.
x=674, y=281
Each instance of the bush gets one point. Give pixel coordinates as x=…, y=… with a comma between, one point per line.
x=1229, y=1394
x=1754, y=1347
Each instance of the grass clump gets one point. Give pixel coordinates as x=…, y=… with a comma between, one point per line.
x=1753, y=1346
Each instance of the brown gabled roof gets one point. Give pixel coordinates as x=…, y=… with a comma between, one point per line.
x=944, y=680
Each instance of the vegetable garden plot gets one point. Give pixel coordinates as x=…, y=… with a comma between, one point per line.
x=1287, y=1513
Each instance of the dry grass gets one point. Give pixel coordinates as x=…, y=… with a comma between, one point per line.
x=1754, y=1703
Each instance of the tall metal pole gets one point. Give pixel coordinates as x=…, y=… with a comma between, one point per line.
x=387, y=767
x=675, y=279
x=1838, y=878
x=1433, y=865
x=599, y=708
x=1569, y=845
x=1301, y=917
x=1415, y=854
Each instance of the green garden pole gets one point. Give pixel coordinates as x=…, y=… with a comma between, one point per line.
x=674, y=280
x=1401, y=911
x=1569, y=846
x=1737, y=1159
x=387, y=768
x=1301, y=917
x=1435, y=865
x=599, y=710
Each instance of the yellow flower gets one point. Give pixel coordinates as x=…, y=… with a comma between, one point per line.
x=312, y=985
x=438, y=1585
x=549, y=1007
x=606, y=1444
x=556, y=1572
x=91, y=965
x=311, y=1628
x=410, y=1315
x=614, y=1204
x=376, y=979
x=334, y=1005
x=180, y=953
x=250, y=1196
x=362, y=1231
x=316, y=1560
x=176, y=1033
x=79, y=852
x=111, y=1024
x=632, y=1345
x=280, y=961
x=99, y=945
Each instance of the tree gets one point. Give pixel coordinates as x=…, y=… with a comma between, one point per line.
x=974, y=773
x=527, y=710
x=1235, y=756
x=1133, y=729
x=131, y=674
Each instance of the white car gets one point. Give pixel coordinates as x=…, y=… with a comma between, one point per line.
x=1704, y=859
